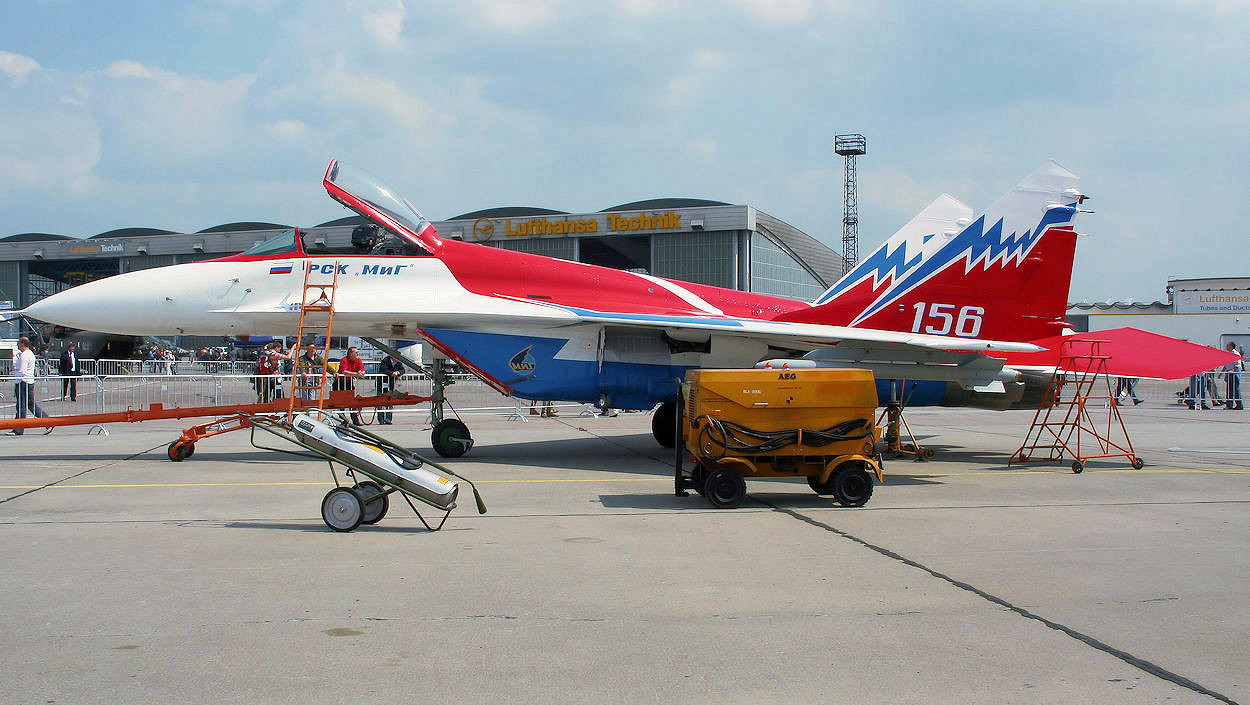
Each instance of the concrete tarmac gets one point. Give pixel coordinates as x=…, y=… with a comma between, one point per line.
x=131, y=579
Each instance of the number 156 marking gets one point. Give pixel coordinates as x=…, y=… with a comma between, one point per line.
x=942, y=319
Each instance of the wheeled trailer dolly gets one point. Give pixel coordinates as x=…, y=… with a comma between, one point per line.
x=387, y=468
x=810, y=423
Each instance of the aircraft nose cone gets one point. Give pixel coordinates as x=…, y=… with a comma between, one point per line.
x=109, y=305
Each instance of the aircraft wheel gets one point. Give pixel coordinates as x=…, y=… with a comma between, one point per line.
x=1138, y=463
x=724, y=488
x=177, y=451
x=664, y=424
x=451, y=438
x=342, y=509
x=852, y=485
x=375, y=508
x=1077, y=467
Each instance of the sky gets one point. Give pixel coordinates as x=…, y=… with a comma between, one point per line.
x=186, y=115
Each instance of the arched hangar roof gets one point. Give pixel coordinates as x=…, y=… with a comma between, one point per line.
x=243, y=226
x=508, y=212
x=652, y=204
x=35, y=237
x=132, y=232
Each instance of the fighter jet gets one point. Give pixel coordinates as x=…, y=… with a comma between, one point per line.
x=938, y=300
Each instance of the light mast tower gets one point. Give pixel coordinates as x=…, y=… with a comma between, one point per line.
x=849, y=146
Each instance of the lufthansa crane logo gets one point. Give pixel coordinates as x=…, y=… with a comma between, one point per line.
x=483, y=229
x=523, y=361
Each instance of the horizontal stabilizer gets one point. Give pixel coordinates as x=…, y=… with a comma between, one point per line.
x=1131, y=353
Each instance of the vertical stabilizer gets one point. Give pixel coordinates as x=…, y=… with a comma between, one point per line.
x=1003, y=274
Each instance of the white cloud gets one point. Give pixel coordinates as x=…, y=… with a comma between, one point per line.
x=777, y=12
x=640, y=8
x=385, y=24
x=515, y=15
x=293, y=131
x=704, y=148
x=17, y=66
x=127, y=69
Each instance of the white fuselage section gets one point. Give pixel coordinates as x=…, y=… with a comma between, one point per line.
x=373, y=296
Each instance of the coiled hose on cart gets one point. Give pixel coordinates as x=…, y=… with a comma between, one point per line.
x=730, y=437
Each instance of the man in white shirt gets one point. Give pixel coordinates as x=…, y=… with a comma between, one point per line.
x=24, y=386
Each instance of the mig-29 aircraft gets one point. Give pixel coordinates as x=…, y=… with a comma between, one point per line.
x=948, y=304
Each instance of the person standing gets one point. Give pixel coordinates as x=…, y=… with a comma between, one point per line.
x=24, y=385
x=69, y=370
x=1127, y=385
x=351, y=368
x=1232, y=381
x=265, y=376
x=391, y=370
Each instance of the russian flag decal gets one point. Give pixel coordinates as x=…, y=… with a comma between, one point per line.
x=284, y=268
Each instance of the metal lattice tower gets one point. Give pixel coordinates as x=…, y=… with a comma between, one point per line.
x=849, y=146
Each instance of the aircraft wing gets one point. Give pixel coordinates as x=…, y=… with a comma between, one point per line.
x=1130, y=353
x=795, y=336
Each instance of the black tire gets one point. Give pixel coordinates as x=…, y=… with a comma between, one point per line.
x=190, y=448
x=852, y=485
x=177, y=452
x=824, y=489
x=1077, y=467
x=1138, y=463
x=341, y=509
x=376, y=508
x=725, y=488
x=664, y=424
x=450, y=438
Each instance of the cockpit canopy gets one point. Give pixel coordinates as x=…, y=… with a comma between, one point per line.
x=365, y=240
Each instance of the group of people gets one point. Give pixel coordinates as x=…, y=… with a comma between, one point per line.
x=1203, y=386
x=274, y=364
x=156, y=358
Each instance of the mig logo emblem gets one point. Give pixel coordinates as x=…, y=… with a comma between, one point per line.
x=523, y=362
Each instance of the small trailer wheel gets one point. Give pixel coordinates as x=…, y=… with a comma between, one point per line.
x=725, y=488
x=342, y=509
x=823, y=489
x=1138, y=463
x=852, y=485
x=177, y=452
x=190, y=448
x=450, y=438
x=375, y=508
x=1077, y=467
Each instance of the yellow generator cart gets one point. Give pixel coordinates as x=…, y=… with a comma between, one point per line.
x=813, y=423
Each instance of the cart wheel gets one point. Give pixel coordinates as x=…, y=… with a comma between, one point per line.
x=190, y=448
x=342, y=509
x=375, y=508
x=177, y=452
x=725, y=488
x=821, y=488
x=1077, y=467
x=664, y=424
x=451, y=438
x=1138, y=463
x=929, y=454
x=852, y=485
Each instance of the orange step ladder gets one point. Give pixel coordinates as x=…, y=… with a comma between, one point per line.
x=321, y=308
x=1065, y=422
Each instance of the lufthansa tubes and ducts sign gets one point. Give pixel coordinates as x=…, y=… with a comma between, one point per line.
x=486, y=229
x=1229, y=301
